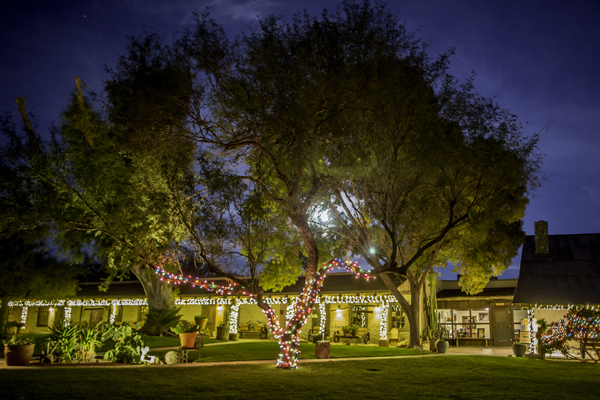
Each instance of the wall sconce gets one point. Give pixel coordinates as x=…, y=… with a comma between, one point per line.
x=51, y=310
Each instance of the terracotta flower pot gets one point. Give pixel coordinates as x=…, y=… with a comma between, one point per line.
x=201, y=322
x=187, y=339
x=18, y=355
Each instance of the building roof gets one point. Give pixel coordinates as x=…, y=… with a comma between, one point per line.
x=490, y=294
x=334, y=283
x=569, y=275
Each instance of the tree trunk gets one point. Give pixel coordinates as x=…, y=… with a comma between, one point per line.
x=300, y=220
x=3, y=315
x=288, y=336
x=415, y=304
x=411, y=314
x=159, y=294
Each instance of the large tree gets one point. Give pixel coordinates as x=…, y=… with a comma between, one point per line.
x=418, y=169
x=440, y=175
x=105, y=182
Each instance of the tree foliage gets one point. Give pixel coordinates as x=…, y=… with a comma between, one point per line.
x=349, y=109
x=28, y=271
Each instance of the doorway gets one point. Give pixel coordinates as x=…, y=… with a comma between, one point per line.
x=502, y=326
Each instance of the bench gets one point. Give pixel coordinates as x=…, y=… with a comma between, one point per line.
x=254, y=327
x=361, y=335
x=584, y=347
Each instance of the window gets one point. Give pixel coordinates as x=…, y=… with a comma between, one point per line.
x=466, y=323
x=95, y=316
x=359, y=316
x=398, y=318
x=43, y=316
x=119, y=314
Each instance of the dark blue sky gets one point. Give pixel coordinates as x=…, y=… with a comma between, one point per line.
x=540, y=59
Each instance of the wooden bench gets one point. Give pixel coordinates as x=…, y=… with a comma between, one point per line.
x=467, y=341
x=362, y=335
x=591, y=347
x=254, y=327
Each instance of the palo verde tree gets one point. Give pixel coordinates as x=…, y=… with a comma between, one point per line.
x=107, y=175
x=433, y=173
x=275, y=99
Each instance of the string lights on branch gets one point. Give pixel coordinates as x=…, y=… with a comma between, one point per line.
x=299, y=308
x=553, y=341
x=580, y=325
x=223, y=290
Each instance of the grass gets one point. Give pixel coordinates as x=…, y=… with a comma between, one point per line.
x=269, y=350
x=450, y=377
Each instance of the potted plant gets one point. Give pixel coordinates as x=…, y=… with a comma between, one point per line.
x=201, y=321
x=354, y=330
x=441, y=346
x=519, y=349
x=187, y=333
x=346, y=330
x=18, y=350
x=223, y=331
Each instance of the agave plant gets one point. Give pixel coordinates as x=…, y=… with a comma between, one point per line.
x=63, y=343
x=159, y=323
x=88, y=342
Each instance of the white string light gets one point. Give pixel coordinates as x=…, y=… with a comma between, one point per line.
x=67, y=317
x=383, y=321
x=233, y=318
x=24, y=315
x=113, y=315
x=323, y=314
x=531, y=324
x=290, y=310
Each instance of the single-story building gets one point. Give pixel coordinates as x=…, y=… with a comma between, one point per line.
x=344, y=300
x=558, y=273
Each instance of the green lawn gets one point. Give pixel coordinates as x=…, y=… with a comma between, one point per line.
x=449, y=377
x=269, y=350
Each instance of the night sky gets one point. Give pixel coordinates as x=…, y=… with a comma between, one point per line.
x=540, y=59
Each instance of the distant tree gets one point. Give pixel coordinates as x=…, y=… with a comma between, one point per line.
x=29, y=272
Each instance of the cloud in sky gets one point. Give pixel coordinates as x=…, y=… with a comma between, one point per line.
x=235, y=10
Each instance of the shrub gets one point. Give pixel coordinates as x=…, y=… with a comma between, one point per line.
x=184, y=327
x=159, y=323
x=18, y=340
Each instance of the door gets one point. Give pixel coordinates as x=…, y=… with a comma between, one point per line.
x=502, y=326
x=95, y=316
